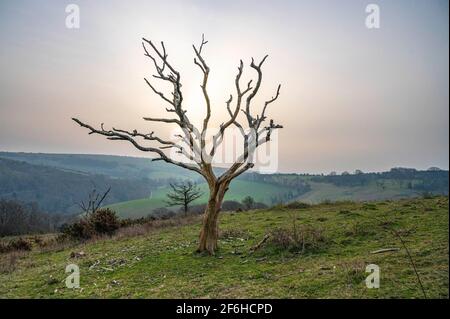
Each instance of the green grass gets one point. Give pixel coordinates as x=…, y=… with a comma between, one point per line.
x=162, y=263
x=238, y=190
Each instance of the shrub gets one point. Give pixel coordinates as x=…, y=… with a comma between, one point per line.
x=104, y=221
x=79, y=230
x=138, y=221
x=297, y=239
x=9, y=263
x=19, y=244
x=15, y=245
x=248, y=202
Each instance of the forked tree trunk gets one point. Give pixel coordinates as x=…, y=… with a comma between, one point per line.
x=209, y=233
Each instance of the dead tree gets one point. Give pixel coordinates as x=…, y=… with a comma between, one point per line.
x=95, y=200
x=183, y=194
x=191, y=143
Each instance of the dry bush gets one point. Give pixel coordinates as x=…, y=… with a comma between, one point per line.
x=294, y=238
x=79, y=230
x=300, y=239
x=133, y=231
x=104, y=221
x=19, y=244
x=99, y=223
x=143, y=229
x=8, y=263
x=57, y=243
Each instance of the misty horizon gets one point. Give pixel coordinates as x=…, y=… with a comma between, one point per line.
x=351, y=171
x=380, y=100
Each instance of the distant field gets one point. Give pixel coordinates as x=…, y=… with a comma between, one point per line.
x=262, y=192
x=161, y=263
x=239, y=189
x=321, y=192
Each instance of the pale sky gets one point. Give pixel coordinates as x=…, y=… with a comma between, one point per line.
x=351, y=97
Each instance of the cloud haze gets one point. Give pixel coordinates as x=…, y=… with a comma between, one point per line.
x=351, y=97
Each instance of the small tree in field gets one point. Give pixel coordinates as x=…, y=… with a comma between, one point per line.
x=248, y=202
x=192, y=143
x=183, y=194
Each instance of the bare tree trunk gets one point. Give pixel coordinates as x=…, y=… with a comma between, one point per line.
x=209, y=233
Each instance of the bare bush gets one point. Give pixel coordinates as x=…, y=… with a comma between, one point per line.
x=8, y=263
x=19, y=244
x=300, y=239
x=148, y=227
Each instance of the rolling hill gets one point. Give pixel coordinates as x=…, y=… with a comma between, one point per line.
x=57, y=182
x=238, y=190
x=108, y=165
x=160, y=262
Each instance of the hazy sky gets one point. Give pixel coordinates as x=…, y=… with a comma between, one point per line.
x=352, y=97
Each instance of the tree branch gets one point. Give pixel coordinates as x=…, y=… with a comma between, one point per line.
x=117, y=135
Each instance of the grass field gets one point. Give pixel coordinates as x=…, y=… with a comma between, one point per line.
x=162, y=264
x=321, y=192
x=238, y=190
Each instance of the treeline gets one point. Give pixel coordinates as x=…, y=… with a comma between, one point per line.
x=18, y=218
x=59, y=191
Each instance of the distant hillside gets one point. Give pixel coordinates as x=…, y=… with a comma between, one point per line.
x=109, y=165
x=59, y=191
x=395, y=184
x=58, y=181
x=239, y=189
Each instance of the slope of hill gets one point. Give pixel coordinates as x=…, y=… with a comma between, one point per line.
x=321, y=192
x=147, y=183
x=59, y=191
x=313, y=189
x=161, y=263
x=238, y=190
x=109, y=165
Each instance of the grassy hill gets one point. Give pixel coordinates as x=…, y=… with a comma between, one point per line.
x=264, y=191
x=238, y=190
x=159, y=262
x=321, y=192
x=108, y=165
x=139, y=185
